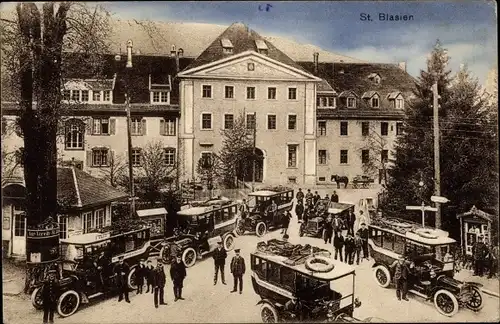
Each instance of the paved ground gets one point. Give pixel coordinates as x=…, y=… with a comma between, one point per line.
x=208, y=303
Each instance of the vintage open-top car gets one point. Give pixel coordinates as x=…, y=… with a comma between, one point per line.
x=199, y=230
x=432, y=264
x=314, y=226
x=324, y=288
x=81, y=279
x=259, y=221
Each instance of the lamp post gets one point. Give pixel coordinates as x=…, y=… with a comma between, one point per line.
x=128, y=67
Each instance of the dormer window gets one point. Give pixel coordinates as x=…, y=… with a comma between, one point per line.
x=375, y=102
x=351, y=102
x=227, y=46
x=397, y=98
x=374, y=77
x=160, y=97
x=400, y=103
x=261, y=46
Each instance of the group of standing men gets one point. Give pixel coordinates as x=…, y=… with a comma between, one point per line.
x=485, y=258
x=237, y=267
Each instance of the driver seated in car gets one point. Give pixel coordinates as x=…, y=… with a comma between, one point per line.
x=294, y=307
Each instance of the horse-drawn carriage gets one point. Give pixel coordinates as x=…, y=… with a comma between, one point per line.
x=362, y=181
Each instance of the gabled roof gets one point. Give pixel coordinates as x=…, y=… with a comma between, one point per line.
x=348, y=93
x=325, y=87
x=474, y=212
x=79, y=189
x=243, y=40
x=369, y=94
x=393, y=95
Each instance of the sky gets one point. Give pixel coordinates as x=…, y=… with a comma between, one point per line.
x=467, y=29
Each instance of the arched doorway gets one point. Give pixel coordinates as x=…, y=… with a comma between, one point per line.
x=245, y=170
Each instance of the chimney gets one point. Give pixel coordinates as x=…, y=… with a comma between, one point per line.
x=316, y=56
x=177, y=63
x=172, y=51
x=402, y=66
x=129, y=53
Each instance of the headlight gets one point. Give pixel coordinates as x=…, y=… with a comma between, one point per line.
x=330, y=304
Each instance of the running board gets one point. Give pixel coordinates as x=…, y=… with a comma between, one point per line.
x=417, y=293
x=96, y=295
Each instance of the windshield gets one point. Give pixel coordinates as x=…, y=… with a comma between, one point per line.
x=70, y=252
x=445, y=253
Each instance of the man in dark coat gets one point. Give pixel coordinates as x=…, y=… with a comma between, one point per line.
x=309, y=198
x=122, y=269
x=300, y=196
x=349, y=248
x=479, y=251
x=316, y=197
x=335, y=197
x=363, y=234
x=219, y=256
x=351, y=219
x=299, y=210
x=102, y=265
x=286, y=221
x=238, y=270
x=358, y=244
x=328, y=230
x=401, y=268
x=140, y=275
x=336, y=224
x=149, y=276
x=159, y=284
x=177, y=274
x=338, y=244
x=50, y=294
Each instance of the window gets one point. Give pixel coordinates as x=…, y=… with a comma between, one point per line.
x=322, y=128
x=351, y=102
x=96, y=95
x=100, y=157
x=250, y=92
x=322, y=156
x=63, y=227
x=259, y=266
x=400, y=104
x=85, y=95
x=170, y=156
x=74, y=134
x=66, y=94
x=292, y=122
x=365, y=156
x=228, y=50
x=206, y=91
x=87, y=222
x=107, y=95
x=250, y=121
x=167, y=126
x=287, y=277
x=292, y=93
x=271, y=121
x=399, y=128
x=75, y=95
x=388, y=241
x=384, y=155
x=292, y=156
x=136, y=126
x=321, y=179
x=228, y=121
x=375, y=102
x=206, y=160
x=229, y=92
x=365, y=128
x=101, y=126
x=273, y=273
x=100, y=218
x=331, y=102
x=376, y=236
x=271, y=93
x=399, y=244
x=160, y=96
x=206, y=121
x=343, y=128
x=323, y=102
x=136, y=157
x=343, y=156
x=250, y=66
x=384, y=128
x=19, y=221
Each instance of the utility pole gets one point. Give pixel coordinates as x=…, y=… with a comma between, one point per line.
x=437, y=168
x=129, y=128
x=254, y=143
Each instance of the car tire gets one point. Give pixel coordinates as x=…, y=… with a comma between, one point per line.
x=36, y=298
x=268, y=313
x=68, y=303
x=189, y=257
x=131, y=279
x=165, y=253
x=382, y=276
x=477, y=300
x=445, y=302
x=240, y=228
x=260, y=229
x=228, y=242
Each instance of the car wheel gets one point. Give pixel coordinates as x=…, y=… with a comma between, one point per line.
x=131, y=279
x=228, y=242
x=268, y=313
x=476, y=299
x=260, y=229
x=445, y=302
x=36, y=298
x=189, y=257
x=382, y=276
x=68, y=303
x=240, y=228
x=165, y=254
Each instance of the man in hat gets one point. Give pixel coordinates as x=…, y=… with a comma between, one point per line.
x=309, y=198
x=238, y=270
x=121, y=270
x=219, y=256
x=299, y=210
x=316, y=198
x=401, y=268
x=363, y=234
x=159, y=284
x=50, y=294
x=300, y=196
x=286, y=221
x=479, y=252
x=351, y=219
x=177, y=274
x=244, y=209
x=149, y=276
x=335, y=197
x=140, y=274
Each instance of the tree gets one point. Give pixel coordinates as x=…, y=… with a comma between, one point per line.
x=209, y=170
x=377, y=146
x=116, y=170
x=469, y=162
x=236, y=155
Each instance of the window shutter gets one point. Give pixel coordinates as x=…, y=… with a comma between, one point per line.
x=109, y=158
x=162, y=127
x=143, y=130
x=112, y=126
x=89, y=158
x=90, y=126
x=107, y=216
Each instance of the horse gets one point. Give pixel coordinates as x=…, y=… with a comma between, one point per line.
x=339, y=180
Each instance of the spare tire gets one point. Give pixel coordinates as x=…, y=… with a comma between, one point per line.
x=320, y=264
